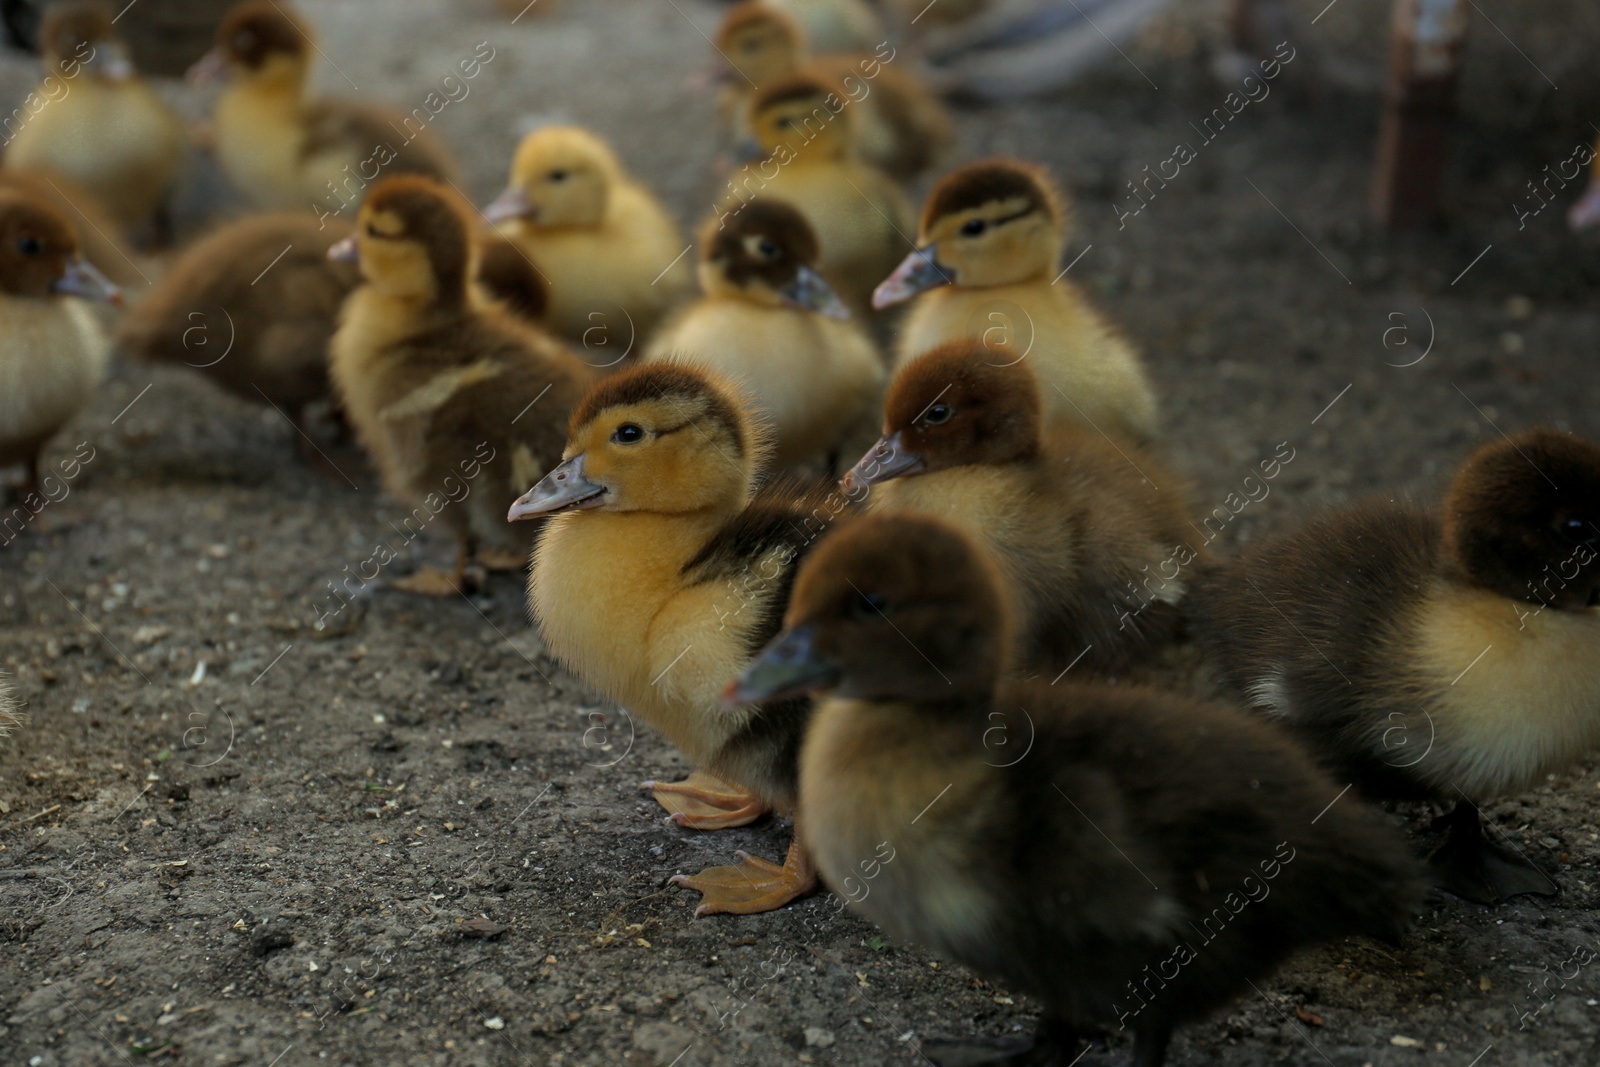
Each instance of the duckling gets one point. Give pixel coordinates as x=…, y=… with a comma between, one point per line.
x=1084, y=531
x=252, y=307
x=53, y=353
x=991, y=239
x=899, y=125
x=109, y=132
x=282, y=148
x=1146, y=860
x=769, y=320
x=101, y=241
x=506, y=274
x=660, y=574
x=601, y=240
x=859, y=215
x=1447, y=657
x=438, y=382
x=835, y=25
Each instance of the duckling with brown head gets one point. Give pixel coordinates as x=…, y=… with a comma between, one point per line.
x=658, y=577
x=986, y=265
x=1451, y=656
x=1075, y=522
x=1147, y=857
x=438, y=381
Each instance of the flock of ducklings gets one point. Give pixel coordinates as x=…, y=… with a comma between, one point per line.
x=1001, y=559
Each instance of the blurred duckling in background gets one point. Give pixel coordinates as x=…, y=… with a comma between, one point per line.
x=1090, y=537
x=806, y=159
x=835, y=25
x=897, y=124
x=283, y=148
x=443, y=387
x=986, y=265
x=252, y=307
x=769, y=321
x=1146, y=860
x=658, y=576
x=100, y=240
x=53, y=352
x=104, y=128
x=1449, y=657
x=600, y=239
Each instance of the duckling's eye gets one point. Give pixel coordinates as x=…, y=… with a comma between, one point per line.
x=372, y=231
x=557, y=175
x=869, y=605
x=937, y=413
x=786, y=124
x=1578, y=530
x=973, y=227
x=628, y=433
x=29, y=246
x=767, y=248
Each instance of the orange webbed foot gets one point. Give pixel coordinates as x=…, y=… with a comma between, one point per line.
x=502, y=559
x=703, y=801
x=754, y=885
x=428, y=581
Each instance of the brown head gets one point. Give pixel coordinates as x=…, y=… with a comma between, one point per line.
x=889, y=608
x=956, y=405
x=39, y=254
x=1522, y=518
x=767, y=253
x=800, y=118
x=995, y=222
x=81, y=32
x=762, y=43
x=258, y=40
x=661, y=437
x=413, y=240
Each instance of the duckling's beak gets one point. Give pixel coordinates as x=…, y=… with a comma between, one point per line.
x=788, y=667
x=1586, y=212
x=345, y=251
x=810, y=291
x=511, y=204
x=111, y=61
x=210, y=69
x=709, y=77
x=886, y=460
x=82, y=278
x=564, y=488
x=918, y=271
x=747, y=150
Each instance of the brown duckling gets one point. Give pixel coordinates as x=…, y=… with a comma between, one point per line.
x=1078, y=525
x=252, y=307
x=101, y=241
x=660, y=574
x=986, y=266
x=600, y=238
x=802, y=137
x=283, y=148
x=899, y=126
x=1451, y=656
x=53, y=353
x=104, y=128
x=437, y=381
x=1145, y=861
x=769, y=321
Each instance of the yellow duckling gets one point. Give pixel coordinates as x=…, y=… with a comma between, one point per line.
x=53, y=353
x=281, y=147
x=987, y=266
x=102, y=126
x=612, y=258
x=801, y=137
x=769, y=321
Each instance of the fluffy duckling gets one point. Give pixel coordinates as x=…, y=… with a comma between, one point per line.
x=899, y=125
x=986, y=265
x=769, y=321
x=1078, y=526
x=53, y=353
x=1146, y=860
x=1452, y=657
x=100, y=240
x=109, y=132
x=658, y=577
x=438, y=382
x=281, y=147
x=601, y=240
x=252, y=307
x=858, y=214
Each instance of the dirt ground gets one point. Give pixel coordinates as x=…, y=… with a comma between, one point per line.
x=227, y=837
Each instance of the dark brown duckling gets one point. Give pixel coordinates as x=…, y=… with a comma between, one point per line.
x=1144, y=862
x=1081, y=528
x=1449, y=656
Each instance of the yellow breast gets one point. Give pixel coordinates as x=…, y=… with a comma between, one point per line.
x=53, y=355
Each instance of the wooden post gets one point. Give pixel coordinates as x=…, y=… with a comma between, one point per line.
x=1419, y=109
